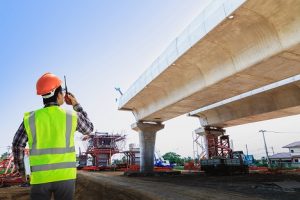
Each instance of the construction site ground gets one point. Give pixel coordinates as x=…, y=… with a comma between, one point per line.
x=116, y=186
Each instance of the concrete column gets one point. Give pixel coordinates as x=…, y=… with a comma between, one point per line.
x=147, y=134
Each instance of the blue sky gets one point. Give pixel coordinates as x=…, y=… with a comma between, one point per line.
x=97, y=45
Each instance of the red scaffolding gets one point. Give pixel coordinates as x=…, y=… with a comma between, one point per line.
x=8, y=174
x=214, y=143
x=102, y=146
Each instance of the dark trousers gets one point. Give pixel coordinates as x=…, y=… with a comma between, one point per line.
x=61, y=190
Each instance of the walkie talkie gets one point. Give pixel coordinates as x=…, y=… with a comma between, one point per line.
x=67, y=99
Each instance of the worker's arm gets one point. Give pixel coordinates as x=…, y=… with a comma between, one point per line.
x=84, y=125
x=18, y=145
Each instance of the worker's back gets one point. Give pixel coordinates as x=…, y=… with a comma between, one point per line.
x=51, y=142
x=50, y=134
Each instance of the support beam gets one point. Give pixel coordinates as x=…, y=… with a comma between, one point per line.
x=274, y=103
x=147, y=134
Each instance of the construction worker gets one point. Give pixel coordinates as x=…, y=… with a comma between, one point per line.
x=50, y=135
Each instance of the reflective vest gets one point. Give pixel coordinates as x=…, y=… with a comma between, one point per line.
x=50, y=134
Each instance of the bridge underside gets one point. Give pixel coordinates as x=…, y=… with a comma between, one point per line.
x=279, y=102
x=231, y=48
x=258, y=46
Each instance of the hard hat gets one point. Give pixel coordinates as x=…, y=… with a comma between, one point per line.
x=47, y=84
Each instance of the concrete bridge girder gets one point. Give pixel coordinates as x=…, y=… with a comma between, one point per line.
x=260, y=45
x=278, y=102
x=215, y=58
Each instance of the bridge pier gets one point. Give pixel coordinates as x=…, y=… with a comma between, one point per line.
x=147, y=135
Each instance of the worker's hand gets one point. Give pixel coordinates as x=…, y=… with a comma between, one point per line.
x=21, y=174
x=70, y=99
x=24, y=178
x=85, y=137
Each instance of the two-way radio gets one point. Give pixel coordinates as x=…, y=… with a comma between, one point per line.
x=67, y=99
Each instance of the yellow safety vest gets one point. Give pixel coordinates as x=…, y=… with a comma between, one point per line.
x=50, y=134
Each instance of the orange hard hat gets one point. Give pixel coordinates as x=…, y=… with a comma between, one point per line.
x=47, y=84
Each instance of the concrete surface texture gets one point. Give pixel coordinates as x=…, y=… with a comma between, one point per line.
x=278, y=102
x=231, y=48
x=147, y=135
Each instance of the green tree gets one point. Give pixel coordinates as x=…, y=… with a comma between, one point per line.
x=119, y=161
x=4, y=155
x=187, y=159
x=173, y=158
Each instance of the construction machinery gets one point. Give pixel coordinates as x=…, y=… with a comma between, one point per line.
x=132, y=160
x=101, y=147
x=217, y=157
x=159, y=161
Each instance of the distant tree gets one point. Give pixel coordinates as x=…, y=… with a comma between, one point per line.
x=123, y=160
x=173, y=158
x=4, y=155
x=117, y=161
x=187, y=159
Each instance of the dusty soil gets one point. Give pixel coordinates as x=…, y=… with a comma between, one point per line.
x=115, y=186
x=252, y=186
x=188, y=186
x=14, y=193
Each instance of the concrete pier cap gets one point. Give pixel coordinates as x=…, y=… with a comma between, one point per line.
x=147, y=134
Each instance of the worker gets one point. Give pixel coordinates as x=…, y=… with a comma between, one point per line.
x=50, y=135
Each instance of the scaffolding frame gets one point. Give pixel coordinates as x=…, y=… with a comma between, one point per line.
x=211, y=142
x=102, y=146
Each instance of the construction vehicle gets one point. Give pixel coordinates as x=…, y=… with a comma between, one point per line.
x=159, y=161
x=132, y=160
x=249, y=160
x=233, y=165
x=218, y=157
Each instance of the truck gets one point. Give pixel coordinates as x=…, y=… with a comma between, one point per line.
x=235, y=164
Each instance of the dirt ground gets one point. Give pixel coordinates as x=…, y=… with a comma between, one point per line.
x=115, y=186
x=14, y=193
x=252, y=186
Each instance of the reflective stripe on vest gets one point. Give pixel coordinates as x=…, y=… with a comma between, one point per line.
x=53, y=166
x=35, y=151
x=32, y=128
x=52, y=151
x=50, y=134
